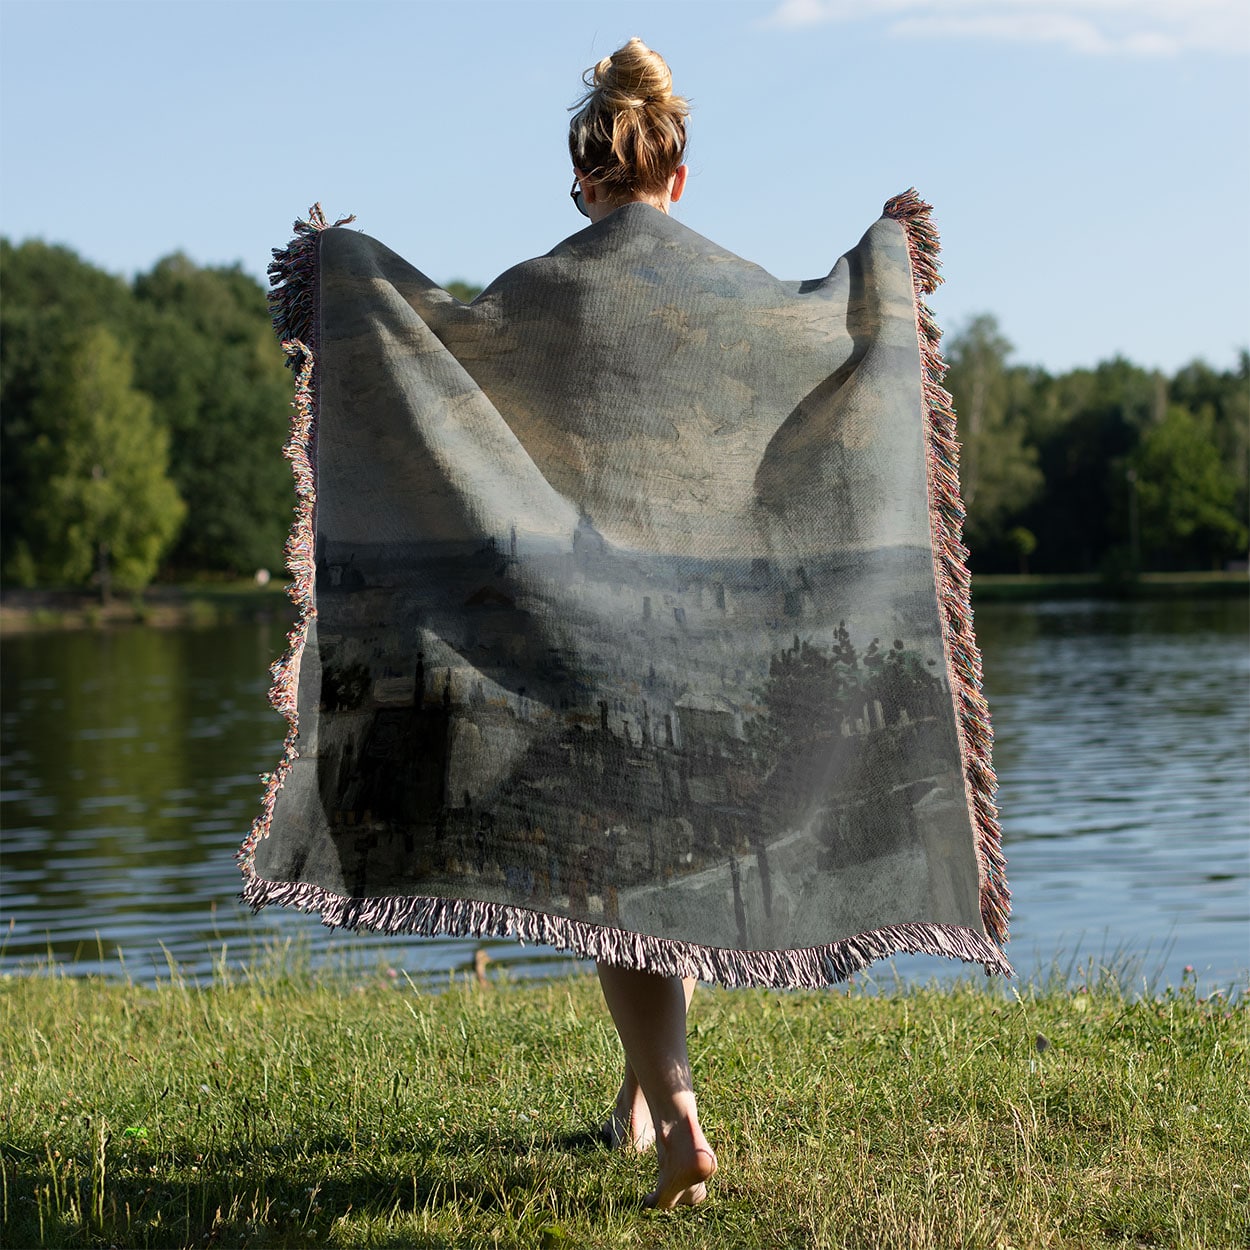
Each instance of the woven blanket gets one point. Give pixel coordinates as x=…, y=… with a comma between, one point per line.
x=634, y=616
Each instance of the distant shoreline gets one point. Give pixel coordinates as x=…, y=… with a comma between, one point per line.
x=204, y=605
x=1014, y=587
x=162, y=607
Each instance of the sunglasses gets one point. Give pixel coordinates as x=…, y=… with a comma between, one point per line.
x=576, y=196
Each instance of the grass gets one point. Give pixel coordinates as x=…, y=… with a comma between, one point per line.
x=279, y=1107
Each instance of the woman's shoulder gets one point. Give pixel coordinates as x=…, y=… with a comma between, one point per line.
x=637, y=242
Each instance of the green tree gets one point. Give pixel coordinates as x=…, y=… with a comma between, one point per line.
x=105, y=507
x=208, y=358
x=465, y=292
x=203, y=351
x=51, y=297
x=1223, y=399
x=998, y=467
x=1024, y=543
x=1187, y=494
x=1086, y=424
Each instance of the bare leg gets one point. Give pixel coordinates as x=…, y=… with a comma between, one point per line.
x=629, y=1126
x=650, y=1015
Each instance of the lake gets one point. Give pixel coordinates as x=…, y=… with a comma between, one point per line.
x=131, y=759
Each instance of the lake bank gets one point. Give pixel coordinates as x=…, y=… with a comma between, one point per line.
x=1042, y=587
x=206, y=604
x=295, y=1109
x=192, y=604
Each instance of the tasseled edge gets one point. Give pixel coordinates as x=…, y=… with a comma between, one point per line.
x=293, y=277
x=809, y=968
x=293, y=304
x=954, y=584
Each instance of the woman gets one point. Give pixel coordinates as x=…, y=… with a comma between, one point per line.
x=628, y=140
x=657, y=646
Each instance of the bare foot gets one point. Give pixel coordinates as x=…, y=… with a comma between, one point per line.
x=686, y=1165
x=629, y=1126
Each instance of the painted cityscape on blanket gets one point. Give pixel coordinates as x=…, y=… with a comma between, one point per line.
x=619, y=737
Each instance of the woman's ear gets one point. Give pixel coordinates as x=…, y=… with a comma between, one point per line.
x=678, y=184
x=588, y=186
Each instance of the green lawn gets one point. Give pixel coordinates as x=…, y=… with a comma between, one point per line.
x=282, y=1108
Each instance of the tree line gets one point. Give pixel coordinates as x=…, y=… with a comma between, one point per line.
x=1114, y=470
x=140, y=424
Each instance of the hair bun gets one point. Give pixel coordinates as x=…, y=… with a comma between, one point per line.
x=633, y=77
x=629, y=130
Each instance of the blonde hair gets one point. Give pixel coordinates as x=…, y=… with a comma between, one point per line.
x=629, y=131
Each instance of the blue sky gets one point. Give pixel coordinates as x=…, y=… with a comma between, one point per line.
x=1088, y=160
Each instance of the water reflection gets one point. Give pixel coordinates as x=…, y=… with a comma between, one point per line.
x=131, y=764
x=1122, y=734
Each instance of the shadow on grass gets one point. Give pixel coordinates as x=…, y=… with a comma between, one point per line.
x=279, y=1196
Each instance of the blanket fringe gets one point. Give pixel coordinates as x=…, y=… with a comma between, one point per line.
x=954, y=583
x=293, y=305
x=293, y=277
x=810, y=968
